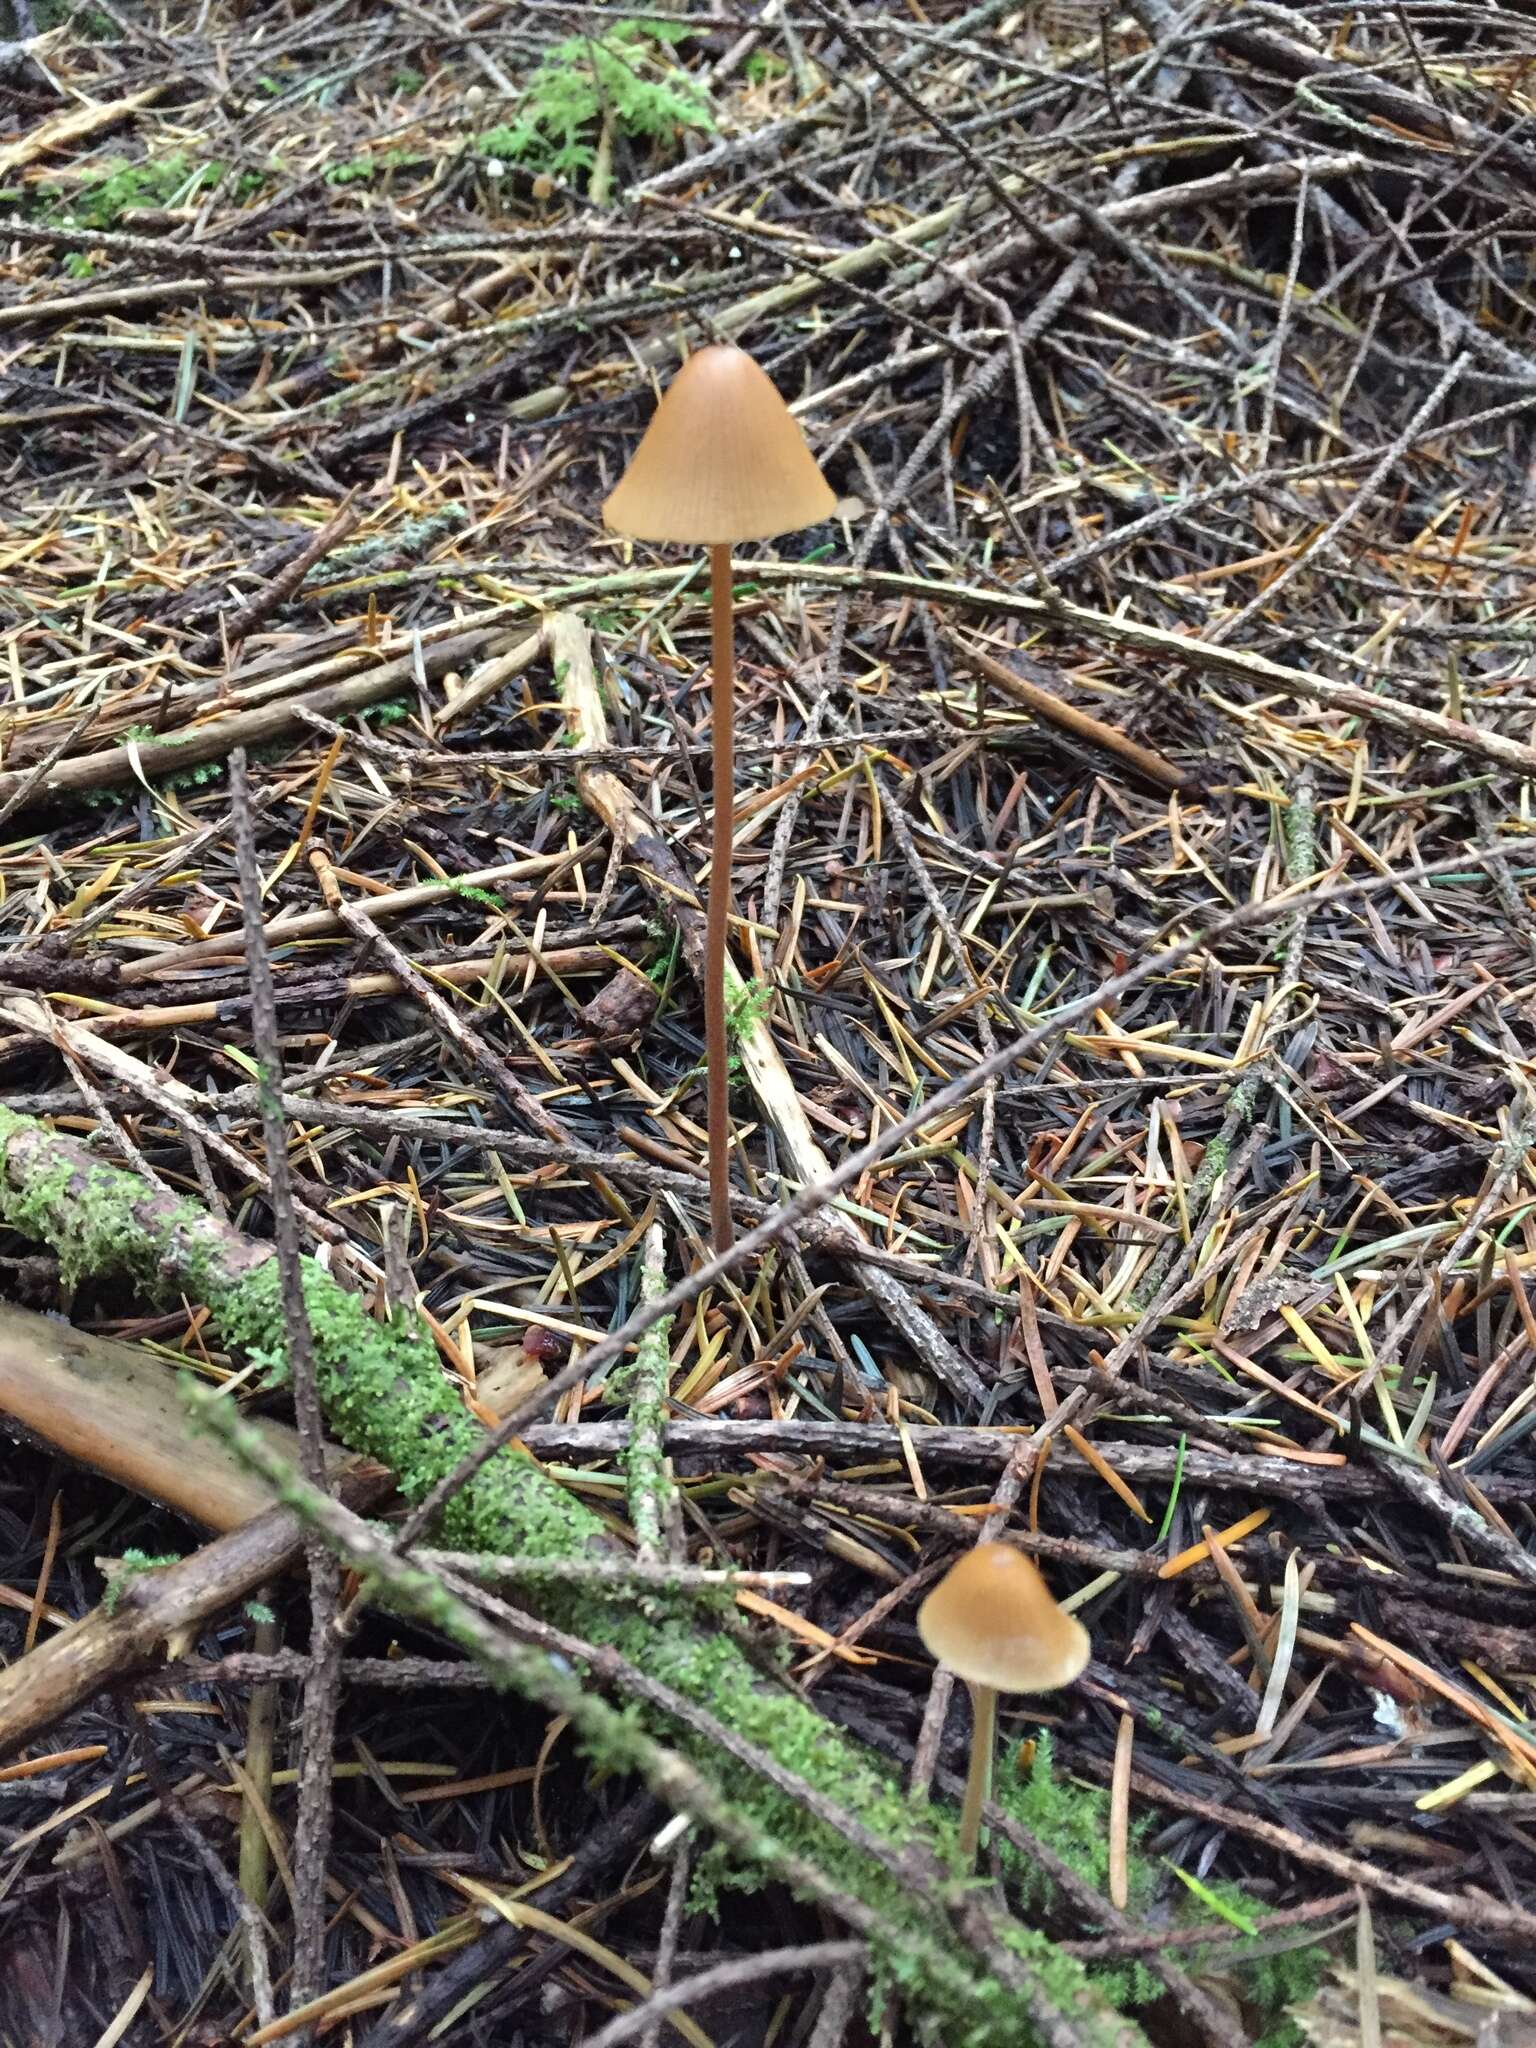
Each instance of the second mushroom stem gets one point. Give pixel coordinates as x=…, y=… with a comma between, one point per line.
x=978, y=1779
x=716, y=1037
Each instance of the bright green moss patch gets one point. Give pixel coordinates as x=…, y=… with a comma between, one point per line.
x=88, y=1212
x=623, y=76
x=384, y=1394
x=1072, y=1817
x=133, y=1564
x=1272, y=1978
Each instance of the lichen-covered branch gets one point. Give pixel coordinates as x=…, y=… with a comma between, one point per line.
x=384, y=1395
x=644, y=1381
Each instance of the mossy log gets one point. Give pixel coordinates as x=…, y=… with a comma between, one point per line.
x=386, y=1397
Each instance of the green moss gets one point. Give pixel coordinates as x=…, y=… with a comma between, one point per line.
x=31, y=1209
x=467, y=892
x=384, y=1394
x=622, y=75
x=361, y=169
x=952, y=2003
x=1277, y=1977
x=1071, y=1816
x=413, y=537
x=745, y=1008
x=641, y=1382
x=133, y=1564
x=172, y=180
x=388, y=711
x=709, y=1667
x=1300, y=834
x=87, y=1213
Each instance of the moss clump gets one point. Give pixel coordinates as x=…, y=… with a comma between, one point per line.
x=1300, y=833
x=87, y=1211
x=641, y=1382
x=1271, y=1980
x=623, y=76
x=173, y=180
x=133, y=1564
x=384, y=1395
x=745, y=1009
x=1072, y=1817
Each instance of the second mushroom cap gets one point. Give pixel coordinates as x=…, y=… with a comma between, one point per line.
x=992, y=1620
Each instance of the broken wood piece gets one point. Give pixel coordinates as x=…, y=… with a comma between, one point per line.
x=73, y=124
x=572, y=960
x=157, y=1607
x=115, y=1408
x=309, y=924
x=1185, y=650
x=239, y=621
x=490, y=677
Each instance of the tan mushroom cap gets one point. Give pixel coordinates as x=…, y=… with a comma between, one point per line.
x=723, y=460
x=992, y=1620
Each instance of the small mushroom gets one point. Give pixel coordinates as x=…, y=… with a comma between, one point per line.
x=722, y=461
x=992, y=1620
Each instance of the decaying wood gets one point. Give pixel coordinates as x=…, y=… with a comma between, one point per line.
x=1056, y=711
x=74, y=124
x=262, y=723
x=111, y=1407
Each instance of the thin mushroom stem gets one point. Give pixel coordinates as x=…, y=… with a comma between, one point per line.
x=978, y=1779
x=716, y=1046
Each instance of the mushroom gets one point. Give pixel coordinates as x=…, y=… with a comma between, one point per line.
x=722, y=461
x=992, y=1620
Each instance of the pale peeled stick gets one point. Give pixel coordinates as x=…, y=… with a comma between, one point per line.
x=723, y=460
x=992, y=1620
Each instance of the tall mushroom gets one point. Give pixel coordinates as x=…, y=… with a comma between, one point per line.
x=992, y=1620
x=722, y=461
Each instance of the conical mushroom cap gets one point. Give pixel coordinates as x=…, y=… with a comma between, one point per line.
x=723, y=460
x=992, y=1620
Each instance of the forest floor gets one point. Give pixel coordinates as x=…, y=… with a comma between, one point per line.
x=1135, y=894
